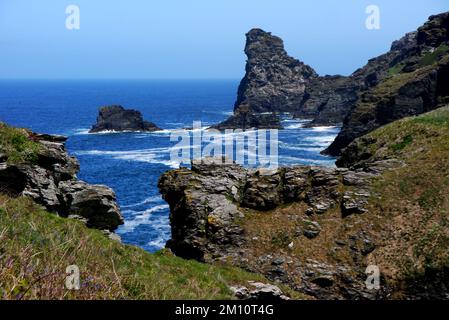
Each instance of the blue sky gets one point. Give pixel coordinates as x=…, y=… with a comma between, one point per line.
x=194, y=39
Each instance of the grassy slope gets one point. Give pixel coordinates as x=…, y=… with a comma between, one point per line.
x=414, y=199
x=37, y=246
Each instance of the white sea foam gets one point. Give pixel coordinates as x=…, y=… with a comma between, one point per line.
x=288, y=146
x=323, y=128
x=148, y=200
x=296, y=160
x=294, y=126
x=82, y=131
x=145, y=218
x=154, y=155
x=158, y=243
x=321, y=140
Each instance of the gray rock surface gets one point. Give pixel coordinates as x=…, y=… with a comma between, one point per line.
x=257, y=291
x=117, y=118
x=210, y=203
x=415, y=75
x=52, y=182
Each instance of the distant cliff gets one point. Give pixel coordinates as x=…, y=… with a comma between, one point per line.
x=413, y=78
x=275, y=82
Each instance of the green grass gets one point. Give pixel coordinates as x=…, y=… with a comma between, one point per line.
x=425, y=60
x=413, y=199
x=404, y=143
x=36, y=247
x=396, y=69
x=17, y=146
x=433, y=57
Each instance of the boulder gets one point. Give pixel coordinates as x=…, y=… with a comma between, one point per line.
x=258, y=291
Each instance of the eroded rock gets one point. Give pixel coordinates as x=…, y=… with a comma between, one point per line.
x=117, y=118
x=51, y=181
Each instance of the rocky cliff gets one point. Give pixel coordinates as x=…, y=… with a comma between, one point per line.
x=38, y=166
x=275, y=82
x=117, y=118
x=411, y=79
x=318, y=229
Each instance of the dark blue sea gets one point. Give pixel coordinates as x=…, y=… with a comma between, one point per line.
x=131, y=163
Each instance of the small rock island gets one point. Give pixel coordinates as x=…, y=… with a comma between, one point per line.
x=117, y=118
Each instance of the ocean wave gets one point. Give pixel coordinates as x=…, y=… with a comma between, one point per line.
x=153, y=155
x=144, y=218
x=159, y=243
x=294, y=126
x=288, y=146
x=148, y=200
x=180, y=130
x=321, y=140
x=323, y=128
x=82, y=131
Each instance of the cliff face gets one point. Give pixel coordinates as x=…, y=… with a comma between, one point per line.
x=318, y=229
x=280, y=223
x=275, y=82
x=39, y=167
x=413, y=79
x=116, y=118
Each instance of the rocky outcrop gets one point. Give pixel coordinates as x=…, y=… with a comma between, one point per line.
x=51, y=180
x=245, y=119
x=116, y=118
x=213, y=204
x=411, y=79
x=275, y=82
x=258, y=291
x=320, y=230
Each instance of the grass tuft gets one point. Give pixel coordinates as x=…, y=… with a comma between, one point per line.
x=16, y=145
